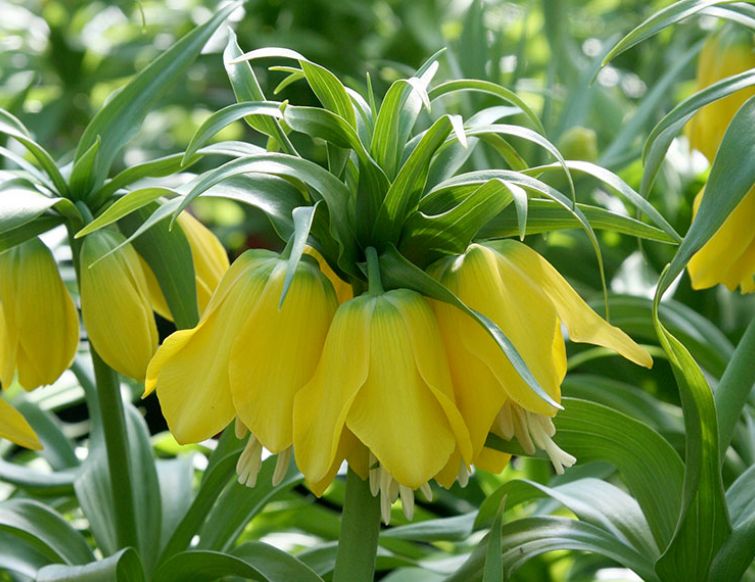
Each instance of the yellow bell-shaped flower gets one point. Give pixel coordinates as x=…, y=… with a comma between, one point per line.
x=247, y=357
x=115, y=303
x=529, y=300
x=729, y=256
x=39, y=326
x=382, y=381
x=208, y=257
x=15, y=428
x=728, y=52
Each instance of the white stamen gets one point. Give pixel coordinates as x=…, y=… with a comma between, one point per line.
x=240, y=428
x=385, y=500
x=407, y=501
x=281, y=466
x=533, y=431
x=427, y=492
x=250, y=462
x=374, y=475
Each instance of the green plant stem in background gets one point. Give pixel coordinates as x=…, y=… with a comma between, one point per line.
x=113, y=423
x=360, y=527
x=116, y=445
x=735, y=387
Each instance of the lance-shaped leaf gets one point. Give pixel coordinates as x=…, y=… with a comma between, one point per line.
x=11, y=126
x=703, y=524
x=21, y=203
x=123, y=566
x=660, y=138
x=398, y=113
x=40, y=225
x=303, y=217
x=669, y=16
x=118, y=121
x=398, y=272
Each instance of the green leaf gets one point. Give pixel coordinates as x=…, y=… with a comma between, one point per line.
x=327, y=187
x=58, y=449
x=12, y=127
x=728, y=183
x=206, y=566
x=735, y=388
x=737, y=553
x=175, y=477
x=398, y=272
x=493, y=568
x=20, y=234
x=592, y=500
x=617, y=186
x=83, y=172
x=397, y=115
x=669, y=16
x=406, y=189
x=453, y=229
x=303, y=217
x=490, y=88
x=123, y=206
x=648, y=465
x=121, y=567
x=227, y=115
x=119, y=120
x=527, y=538
x=247, y=88
x=457, y=528
x=45, y=530
x=660, y=138
x=21, y=203
x=547, y=216
x=275, y=564
x=38, y=483
x=168, y=254
x=704, y=522
x=214, y=480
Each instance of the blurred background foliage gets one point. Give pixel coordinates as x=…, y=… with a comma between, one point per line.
x=60, y=59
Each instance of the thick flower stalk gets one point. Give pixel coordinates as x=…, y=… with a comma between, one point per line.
x=246, y=358
x=728, y=258
x=382, y=383
x=39, y=326
x=529, y=301
x=208, y=257
x=115, y=303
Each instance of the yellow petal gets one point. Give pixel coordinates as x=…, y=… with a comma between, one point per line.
x=412, y=452
x=728, y=257
x=583, y=323
x=277, y=350
x=115, y=304
x=343, y=290
x=208, y=256
x=156, y=297
x=13, y=426
x=492, y=461
x=40, y=320
x=525, y=315
x=321, y=407
x=190, y=370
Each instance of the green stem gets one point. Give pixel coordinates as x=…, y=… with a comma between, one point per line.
x=360, y=527
x=373, y=272
x=113, y=424
x=116, y=446
x=735, y=387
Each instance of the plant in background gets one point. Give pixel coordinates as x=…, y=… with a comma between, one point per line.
x=399, y=330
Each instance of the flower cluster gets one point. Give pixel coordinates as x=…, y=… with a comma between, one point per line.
x=404, y=388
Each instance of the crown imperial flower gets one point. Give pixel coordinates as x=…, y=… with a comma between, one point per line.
x=39, y=326
x=115, y=295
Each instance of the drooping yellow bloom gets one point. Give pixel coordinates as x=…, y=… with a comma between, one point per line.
x=13, y=426
x=382, y=381
x=247, y=357
x=344, y=292
x=208, y=257
x=529, y=300
x=729, y=256
x=728, y=52
x=39, y=327
x=115, y=303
